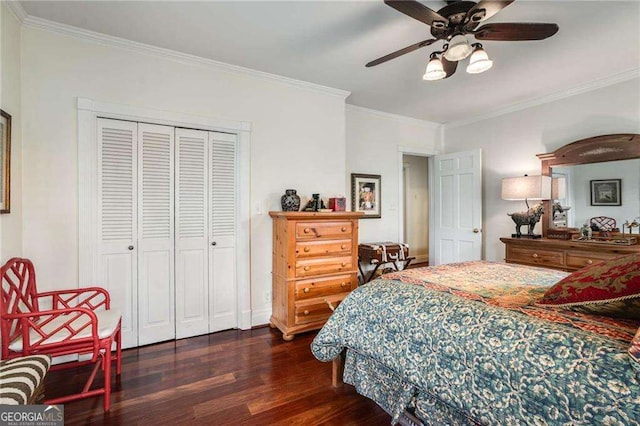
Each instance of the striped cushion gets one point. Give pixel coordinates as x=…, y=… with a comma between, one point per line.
x=20, y=377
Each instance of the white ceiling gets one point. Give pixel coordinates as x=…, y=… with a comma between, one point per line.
x=329, y=42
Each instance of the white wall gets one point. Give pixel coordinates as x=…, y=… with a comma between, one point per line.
x=373, y=139
x=297, y=139
x=511, y=141
x=10, y=102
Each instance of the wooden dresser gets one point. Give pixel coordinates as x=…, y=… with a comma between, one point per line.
x=561, y=254
x=315, y=265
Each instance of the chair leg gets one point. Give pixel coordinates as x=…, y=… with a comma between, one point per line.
x=107, y=378
x=119, y=352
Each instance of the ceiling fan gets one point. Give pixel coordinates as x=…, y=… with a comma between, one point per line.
x=453, y=23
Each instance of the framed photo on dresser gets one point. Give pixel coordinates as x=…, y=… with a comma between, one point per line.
x=366, y=195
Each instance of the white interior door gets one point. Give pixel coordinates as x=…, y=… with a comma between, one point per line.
x=457, y=204
x=223, y=310
x=192, y=235
x=156, y=288
x=117, y=220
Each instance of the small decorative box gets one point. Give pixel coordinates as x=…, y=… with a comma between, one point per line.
x=338, y=204
x=558, y=234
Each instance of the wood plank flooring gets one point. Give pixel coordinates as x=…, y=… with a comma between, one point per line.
x=227, y=378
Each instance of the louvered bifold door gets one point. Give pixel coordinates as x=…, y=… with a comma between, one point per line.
x=117, y=227
x=192, y=236
x=156, y=308
x=223, y=312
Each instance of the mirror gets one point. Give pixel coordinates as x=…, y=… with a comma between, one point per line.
x=594, y=177
x=610, y=189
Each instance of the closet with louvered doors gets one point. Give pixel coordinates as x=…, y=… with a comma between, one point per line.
x=206, y=289
x=170, y=276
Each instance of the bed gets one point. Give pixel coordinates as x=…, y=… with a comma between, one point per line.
x=466, y=344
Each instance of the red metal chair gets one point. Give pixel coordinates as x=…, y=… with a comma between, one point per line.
x=78, y=321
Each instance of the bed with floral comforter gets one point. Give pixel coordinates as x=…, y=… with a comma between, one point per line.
x=464, y=344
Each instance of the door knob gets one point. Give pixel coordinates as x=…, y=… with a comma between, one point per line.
x=213, y=243
x=476, y=230
x=130, y=247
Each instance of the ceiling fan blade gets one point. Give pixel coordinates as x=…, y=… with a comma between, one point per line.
x=515, y=31
x=400, y=52
x=449, y=66
x=485, y=9
x=418, y=11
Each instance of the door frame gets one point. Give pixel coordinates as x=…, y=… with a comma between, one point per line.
x=88, y=112
x=419, y=152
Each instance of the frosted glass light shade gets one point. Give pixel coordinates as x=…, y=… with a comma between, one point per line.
x=558, y=188
x=479, y=62
x=458, y=48
x=434, y=70
x=526, y=188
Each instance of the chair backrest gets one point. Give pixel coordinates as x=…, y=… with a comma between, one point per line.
x=604, y=223
x=18, y=295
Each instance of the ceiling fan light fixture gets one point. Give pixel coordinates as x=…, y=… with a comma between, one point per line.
x=434, y=70
x=458, y=48
x=479, y=61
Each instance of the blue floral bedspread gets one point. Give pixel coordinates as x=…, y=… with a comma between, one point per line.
x=456, y=360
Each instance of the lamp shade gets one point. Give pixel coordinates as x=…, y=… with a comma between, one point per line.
x=479, y=61
x=558, y=188
x=458, y=48
x=526, y=188
x=434, y=70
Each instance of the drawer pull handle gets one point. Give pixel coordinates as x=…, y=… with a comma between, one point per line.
x=344, y=246
x=343, y=264
x=535, y=255
x=306, y=290
x=306, y=249
x=306, y=268
x=306, y=312
x=307, y=230
x=344, y=229
x=589, y=261
x=343, y=285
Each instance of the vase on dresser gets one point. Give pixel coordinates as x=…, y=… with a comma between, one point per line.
x=290, y=201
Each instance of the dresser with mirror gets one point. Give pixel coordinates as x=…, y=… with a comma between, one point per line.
x=596, y=181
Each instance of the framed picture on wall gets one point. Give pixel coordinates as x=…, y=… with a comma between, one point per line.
x=366, y=195
x=606, y=192
x=5, y=161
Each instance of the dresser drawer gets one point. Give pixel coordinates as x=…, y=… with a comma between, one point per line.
x=314, y=310
x=308, y=230
x=321, y=287
x=577, y=259
x=323, y=248
x=321, y=266
x=553, y=258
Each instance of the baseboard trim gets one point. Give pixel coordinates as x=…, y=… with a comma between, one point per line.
x=260, y=317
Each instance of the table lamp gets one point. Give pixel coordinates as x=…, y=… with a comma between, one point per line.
x=527, y=188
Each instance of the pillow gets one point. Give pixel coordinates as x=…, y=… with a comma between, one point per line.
x=634, y=352
x=609, y=288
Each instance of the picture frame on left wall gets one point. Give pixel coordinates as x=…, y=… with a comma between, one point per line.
x=5, y=162
x=366, y=195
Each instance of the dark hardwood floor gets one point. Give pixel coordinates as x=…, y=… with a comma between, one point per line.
x=232, y=377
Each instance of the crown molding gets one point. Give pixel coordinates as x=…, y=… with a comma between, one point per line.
x=576, y=90
x=402, y=118
x=185, y=58
x=16, y=9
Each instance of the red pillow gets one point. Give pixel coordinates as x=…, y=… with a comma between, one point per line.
x=608, y=288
